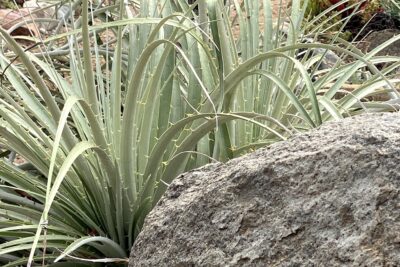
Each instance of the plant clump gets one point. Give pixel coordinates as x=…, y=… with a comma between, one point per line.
x=105, y=126
x=8, y=4
x=356, y=18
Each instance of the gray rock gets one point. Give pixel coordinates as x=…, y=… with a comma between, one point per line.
x=375, y=39
x=329, y=58
x=326, y=198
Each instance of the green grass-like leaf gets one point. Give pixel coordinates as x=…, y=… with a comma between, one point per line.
x=104, y=135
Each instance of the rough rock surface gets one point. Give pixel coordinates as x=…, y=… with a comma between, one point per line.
x=375, y=39
x=326, y=198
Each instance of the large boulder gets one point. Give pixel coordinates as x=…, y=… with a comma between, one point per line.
x=326, y=198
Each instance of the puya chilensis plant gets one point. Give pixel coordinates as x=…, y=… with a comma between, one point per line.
x=175, y=91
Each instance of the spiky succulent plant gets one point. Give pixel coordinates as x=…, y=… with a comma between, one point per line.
x=106, y=133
